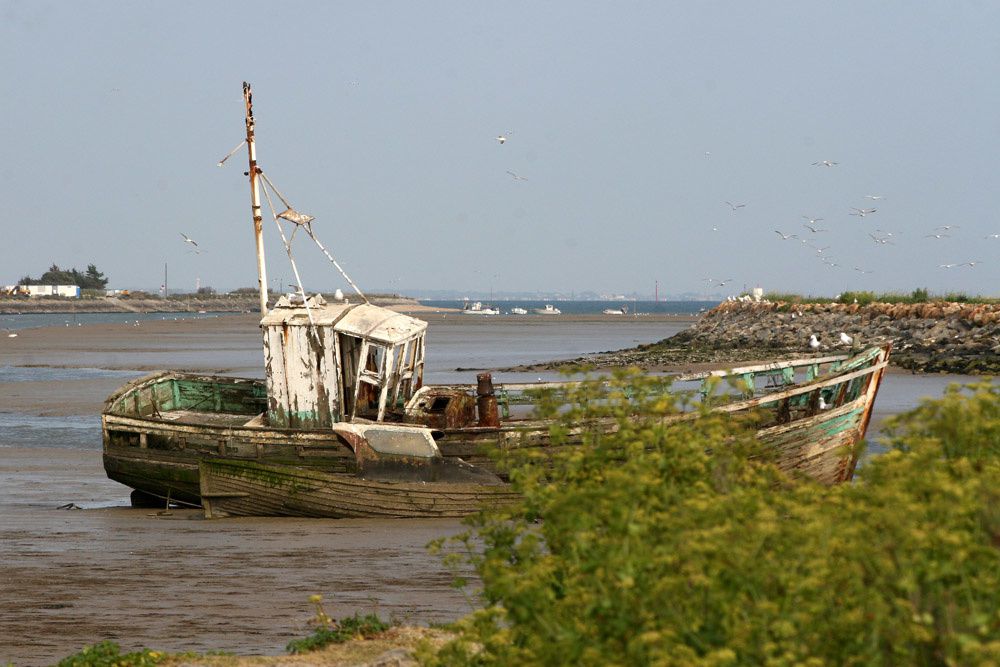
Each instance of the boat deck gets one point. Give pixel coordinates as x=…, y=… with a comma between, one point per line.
x=211, y=418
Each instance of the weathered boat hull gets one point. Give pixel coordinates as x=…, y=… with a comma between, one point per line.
x=246, y=488
x=159, y=429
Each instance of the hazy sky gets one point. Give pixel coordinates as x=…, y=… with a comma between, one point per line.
x=633, y=123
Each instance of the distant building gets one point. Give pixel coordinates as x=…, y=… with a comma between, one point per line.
x=72, y=291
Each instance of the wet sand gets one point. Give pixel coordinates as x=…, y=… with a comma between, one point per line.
x=178, y=582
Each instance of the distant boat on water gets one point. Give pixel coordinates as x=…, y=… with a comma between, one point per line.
x=477, y=308
x=517, y=310
x=549, y=309
x=616, y=311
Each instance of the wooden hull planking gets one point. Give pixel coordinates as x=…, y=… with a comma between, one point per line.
x=243, y=488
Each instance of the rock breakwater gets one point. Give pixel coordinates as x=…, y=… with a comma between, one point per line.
x=927, y=337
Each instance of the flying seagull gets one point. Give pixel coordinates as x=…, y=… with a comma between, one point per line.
x=936, y=236
x=735, y=206
x=947, y=266
x=516, y=177
x=824, y=163
x=862, y=212
x=811, y=221
x=190, y=240
x=945, y=228
x=992, y=236
x=503, y=137
x=972, y=264
x=874, y=197
x=785, y=237
x=813, y=229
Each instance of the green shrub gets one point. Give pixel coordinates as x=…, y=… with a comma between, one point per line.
x=677, y=544
x=861, y=298
x=956, y=297
x=919, y=295
x=329, y=631
x=108, y=654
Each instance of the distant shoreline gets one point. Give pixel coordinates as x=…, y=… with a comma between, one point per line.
x=214, y=304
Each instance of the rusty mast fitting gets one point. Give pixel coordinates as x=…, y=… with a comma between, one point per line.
x=258, y=220
x=305, y=222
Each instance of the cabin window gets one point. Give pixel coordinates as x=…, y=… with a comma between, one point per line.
x=440, y=404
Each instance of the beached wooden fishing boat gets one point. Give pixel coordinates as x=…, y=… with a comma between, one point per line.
x=331, y=429
x=158, y=429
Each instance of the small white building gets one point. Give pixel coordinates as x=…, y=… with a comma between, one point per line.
x=72, y=291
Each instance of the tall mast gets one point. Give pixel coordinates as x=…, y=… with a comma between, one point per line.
x=258, y=220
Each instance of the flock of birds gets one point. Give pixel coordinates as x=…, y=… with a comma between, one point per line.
x=812, y=230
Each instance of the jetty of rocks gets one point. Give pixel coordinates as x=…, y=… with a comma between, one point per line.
x=932, y=337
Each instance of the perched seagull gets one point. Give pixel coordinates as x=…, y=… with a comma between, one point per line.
x=874, y=197
x=824, y=163
x=12, y=335
x=813, y=342
x=735, y=206
x=516, y=177
x=813, y=229
x=862, y=212
x=845, y=339
x=937, y=236
x=822, y=403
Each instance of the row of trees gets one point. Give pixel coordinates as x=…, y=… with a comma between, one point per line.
x=89, y=279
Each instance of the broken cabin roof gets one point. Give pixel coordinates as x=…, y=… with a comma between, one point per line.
x=363, y=320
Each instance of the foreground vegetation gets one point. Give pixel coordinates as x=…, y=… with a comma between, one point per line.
x=685, y=546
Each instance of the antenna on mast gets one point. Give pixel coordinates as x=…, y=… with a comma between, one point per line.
x=258, y=220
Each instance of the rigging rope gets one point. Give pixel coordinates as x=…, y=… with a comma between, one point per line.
x=305, y=222
x=288, y=251
x=230, y=154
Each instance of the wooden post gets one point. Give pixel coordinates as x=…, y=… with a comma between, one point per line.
x=258, y=220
